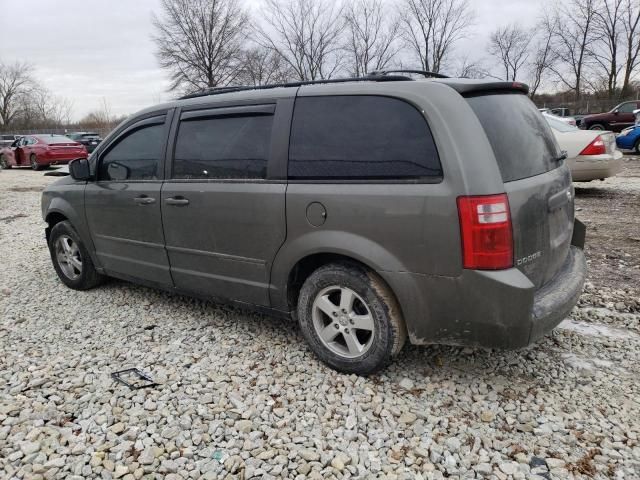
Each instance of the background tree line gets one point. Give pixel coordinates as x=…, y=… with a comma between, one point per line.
x=26, y=105
x=581, y=49
x=578, y=46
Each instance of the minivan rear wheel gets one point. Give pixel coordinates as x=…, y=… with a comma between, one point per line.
x=71, y=259
x=350, y=318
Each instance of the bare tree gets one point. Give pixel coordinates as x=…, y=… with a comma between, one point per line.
x=100, y=118
x=15, y=81
x=199, y=42
x=631, y=25
x=432, y=27
x=510, y=45
x=372, y=33
x=605, y=52
x=467, y=68
x=306, y=34
x=574, y=41
x=40, y=108
x=261, y=66
x=543, y=56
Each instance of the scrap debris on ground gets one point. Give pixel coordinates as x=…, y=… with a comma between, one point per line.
x=241, y=396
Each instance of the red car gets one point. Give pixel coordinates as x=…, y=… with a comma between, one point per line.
x=40, y=151
x=616, y=120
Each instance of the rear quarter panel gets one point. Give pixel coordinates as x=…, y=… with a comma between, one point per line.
x=395, y=227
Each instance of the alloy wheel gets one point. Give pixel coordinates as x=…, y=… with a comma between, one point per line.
x=68, y=257
x=343, y=321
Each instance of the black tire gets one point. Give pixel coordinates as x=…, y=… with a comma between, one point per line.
x=597, y=126
x=88, y=277
x=3, y=163
x=637, y=147
x=33, y=160
x=389, y=332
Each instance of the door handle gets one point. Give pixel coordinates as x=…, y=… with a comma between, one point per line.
x=177, y=201
x=144, y=200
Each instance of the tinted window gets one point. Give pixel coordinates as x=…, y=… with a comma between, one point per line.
x=521, y=139
x=360, y=137
x=223, y=147
x=135, y=157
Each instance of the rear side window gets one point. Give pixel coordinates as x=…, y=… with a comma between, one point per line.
x=136, y=156
x=361, y=138
x=223, y=148
x=522, y=141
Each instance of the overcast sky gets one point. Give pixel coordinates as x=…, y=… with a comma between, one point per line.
x=87, y=50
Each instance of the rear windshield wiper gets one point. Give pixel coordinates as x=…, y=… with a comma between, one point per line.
x=563, y=156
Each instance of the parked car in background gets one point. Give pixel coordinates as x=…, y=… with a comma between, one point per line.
x=351, y=207
x=568, y=120
x=616, y=120
x=40, y=151
x=89, y=139
x=7, y=140
x=629, y=139
x=591, y=155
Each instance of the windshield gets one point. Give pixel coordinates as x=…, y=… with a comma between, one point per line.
x=522, y=141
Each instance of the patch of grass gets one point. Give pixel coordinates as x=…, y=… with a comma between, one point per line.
x=585, y=464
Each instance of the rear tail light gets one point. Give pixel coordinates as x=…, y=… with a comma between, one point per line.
x=597, y=147
x=486, y=231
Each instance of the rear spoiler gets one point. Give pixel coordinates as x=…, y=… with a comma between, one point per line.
x=482, y=87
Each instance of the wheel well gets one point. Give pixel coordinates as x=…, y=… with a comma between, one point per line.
x=53, y=219
x=306, y=266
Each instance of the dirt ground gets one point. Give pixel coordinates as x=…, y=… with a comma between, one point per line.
x=611, y=211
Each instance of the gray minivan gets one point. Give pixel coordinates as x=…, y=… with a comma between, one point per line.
x=368, y=210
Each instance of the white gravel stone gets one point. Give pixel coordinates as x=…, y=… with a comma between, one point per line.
x=241, y=396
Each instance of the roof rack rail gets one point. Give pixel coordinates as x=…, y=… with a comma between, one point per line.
x=379, y=73
x=244, y=88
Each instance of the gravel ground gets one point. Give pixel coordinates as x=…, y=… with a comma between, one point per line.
x=240, y=396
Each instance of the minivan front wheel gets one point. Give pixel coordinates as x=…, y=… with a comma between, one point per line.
x=71, y=259
x=350, y=318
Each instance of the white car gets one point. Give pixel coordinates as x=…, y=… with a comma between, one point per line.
x=568, y=120
x=591, y=154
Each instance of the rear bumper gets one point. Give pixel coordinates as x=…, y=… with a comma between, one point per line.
x=587, y=168
x=500, y=309
x=553, y=302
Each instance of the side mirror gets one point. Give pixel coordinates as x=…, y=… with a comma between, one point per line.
x=79, y=169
